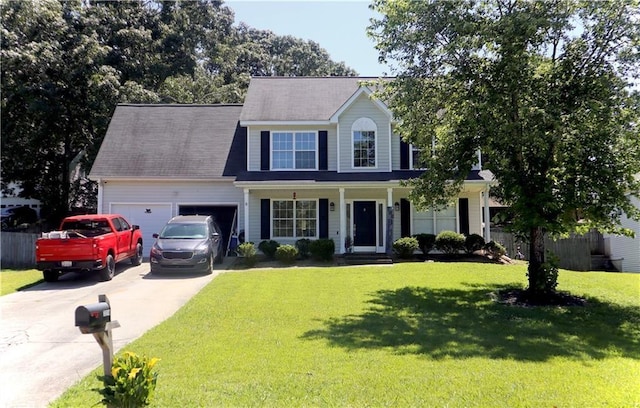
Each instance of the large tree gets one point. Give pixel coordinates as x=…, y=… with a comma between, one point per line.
x=67, y=63
x=542, y=88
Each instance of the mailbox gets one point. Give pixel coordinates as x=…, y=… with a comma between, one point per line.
x=93, y=318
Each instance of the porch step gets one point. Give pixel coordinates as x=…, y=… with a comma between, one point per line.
x=366, y=259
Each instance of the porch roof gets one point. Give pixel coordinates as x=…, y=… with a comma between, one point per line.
x=333, y=176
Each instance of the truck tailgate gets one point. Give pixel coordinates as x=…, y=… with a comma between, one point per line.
x=64, y=249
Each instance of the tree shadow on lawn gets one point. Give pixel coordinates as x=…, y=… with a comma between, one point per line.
x=451, y=323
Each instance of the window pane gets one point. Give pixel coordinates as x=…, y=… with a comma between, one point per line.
x=364, y=149
x=306, y=219
x=282, y=150
x=282, y=218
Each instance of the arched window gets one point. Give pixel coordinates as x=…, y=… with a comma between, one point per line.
x=363, y=133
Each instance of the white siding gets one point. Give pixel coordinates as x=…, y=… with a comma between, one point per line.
x=255, y=196
x=395, y=152
x=363, y=107
x=163, y=194
x=626, y=249
x=253, y=143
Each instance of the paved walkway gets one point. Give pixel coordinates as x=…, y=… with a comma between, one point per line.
x=42, y=353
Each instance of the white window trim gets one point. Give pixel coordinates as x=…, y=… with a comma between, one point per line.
x=413, y=148
x=271, y=212
x=317, y=155
x=364, y=124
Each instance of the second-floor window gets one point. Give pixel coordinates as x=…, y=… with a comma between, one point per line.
x=364, y=143
x=416, y=152
x=294, y=150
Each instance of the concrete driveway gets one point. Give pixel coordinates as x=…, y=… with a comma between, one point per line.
x=42, y=353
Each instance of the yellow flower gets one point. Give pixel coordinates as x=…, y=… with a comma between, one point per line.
x=153, y=362
x=133, y=373
x=114, y=371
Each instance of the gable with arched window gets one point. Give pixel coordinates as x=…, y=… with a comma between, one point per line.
x=364, y=133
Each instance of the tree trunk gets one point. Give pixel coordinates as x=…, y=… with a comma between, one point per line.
x=537, y=278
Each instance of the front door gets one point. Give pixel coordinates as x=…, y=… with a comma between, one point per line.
x=364, y=225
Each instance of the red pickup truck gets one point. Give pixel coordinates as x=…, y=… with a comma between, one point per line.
x=86, y=243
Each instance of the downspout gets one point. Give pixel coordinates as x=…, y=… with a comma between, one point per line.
x=100, y=196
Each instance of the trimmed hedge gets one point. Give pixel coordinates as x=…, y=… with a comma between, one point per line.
x=450, y=242
x=303, y=245
x=286, y=254
x=269, y=248
x=323, y=249
x=473, y=242
x=405, y=247
x=426, y=242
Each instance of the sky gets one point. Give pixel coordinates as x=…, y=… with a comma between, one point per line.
x=338, y=26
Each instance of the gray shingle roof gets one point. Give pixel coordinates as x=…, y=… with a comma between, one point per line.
x=172, y=141
x=297, y=98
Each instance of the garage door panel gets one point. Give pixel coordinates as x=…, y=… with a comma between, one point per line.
x=150, y=217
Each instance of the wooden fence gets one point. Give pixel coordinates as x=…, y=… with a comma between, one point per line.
x=18, y=250
x=574, y=252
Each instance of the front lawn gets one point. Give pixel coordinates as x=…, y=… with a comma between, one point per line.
x=12, y=280
x=411, y=334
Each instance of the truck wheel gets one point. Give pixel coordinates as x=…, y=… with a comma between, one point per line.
x=107, y=273
x=137, y=258
x=50, y=276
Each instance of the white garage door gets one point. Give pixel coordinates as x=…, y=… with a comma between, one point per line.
x=150, y=217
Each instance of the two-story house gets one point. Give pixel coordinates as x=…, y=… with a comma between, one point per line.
x=301, y=158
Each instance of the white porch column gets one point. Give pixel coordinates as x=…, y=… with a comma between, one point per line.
x=343, y=221
x=487, y=221
x=390, y=197
x=246, y=215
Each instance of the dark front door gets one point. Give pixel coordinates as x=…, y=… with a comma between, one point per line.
x=364, y=218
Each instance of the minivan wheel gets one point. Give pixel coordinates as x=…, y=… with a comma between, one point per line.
x=107, y=273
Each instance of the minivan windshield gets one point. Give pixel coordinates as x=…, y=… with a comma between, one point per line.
x=184, y=231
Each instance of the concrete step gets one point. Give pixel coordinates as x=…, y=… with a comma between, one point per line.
x=366, y=259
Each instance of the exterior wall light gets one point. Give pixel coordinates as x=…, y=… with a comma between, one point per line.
x=396, y=206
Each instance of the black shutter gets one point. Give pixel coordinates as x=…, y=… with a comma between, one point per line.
x=405, y=218
x=404, y=155
x=323, y=218
x=463, y=214
x=264, y=150
x=265, y=218
x=322, y=150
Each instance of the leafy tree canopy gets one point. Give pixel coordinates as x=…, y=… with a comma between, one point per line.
x=67, y=63
x=542, y=88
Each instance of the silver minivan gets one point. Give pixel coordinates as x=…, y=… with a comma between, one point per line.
x=187, y=243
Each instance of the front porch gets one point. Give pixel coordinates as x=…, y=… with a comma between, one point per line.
x=360, y=218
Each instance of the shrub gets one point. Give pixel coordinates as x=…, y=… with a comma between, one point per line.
x=323, y=249
x=473, y=242
x=449, y=242
x=248, y=251
x=405, y=247
x=425, y=242
x=286, y=254
x=303, y=247
x=495, y=249
x=550, y=268
x=132, y=381
x=269, y=247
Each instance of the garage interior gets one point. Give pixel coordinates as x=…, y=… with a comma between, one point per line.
x=225, y=215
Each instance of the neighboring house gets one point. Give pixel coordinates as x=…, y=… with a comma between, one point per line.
x=624, y=252
x=301, y=158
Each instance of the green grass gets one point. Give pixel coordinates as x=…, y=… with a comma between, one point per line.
x=413, y=334
x=12, y=280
